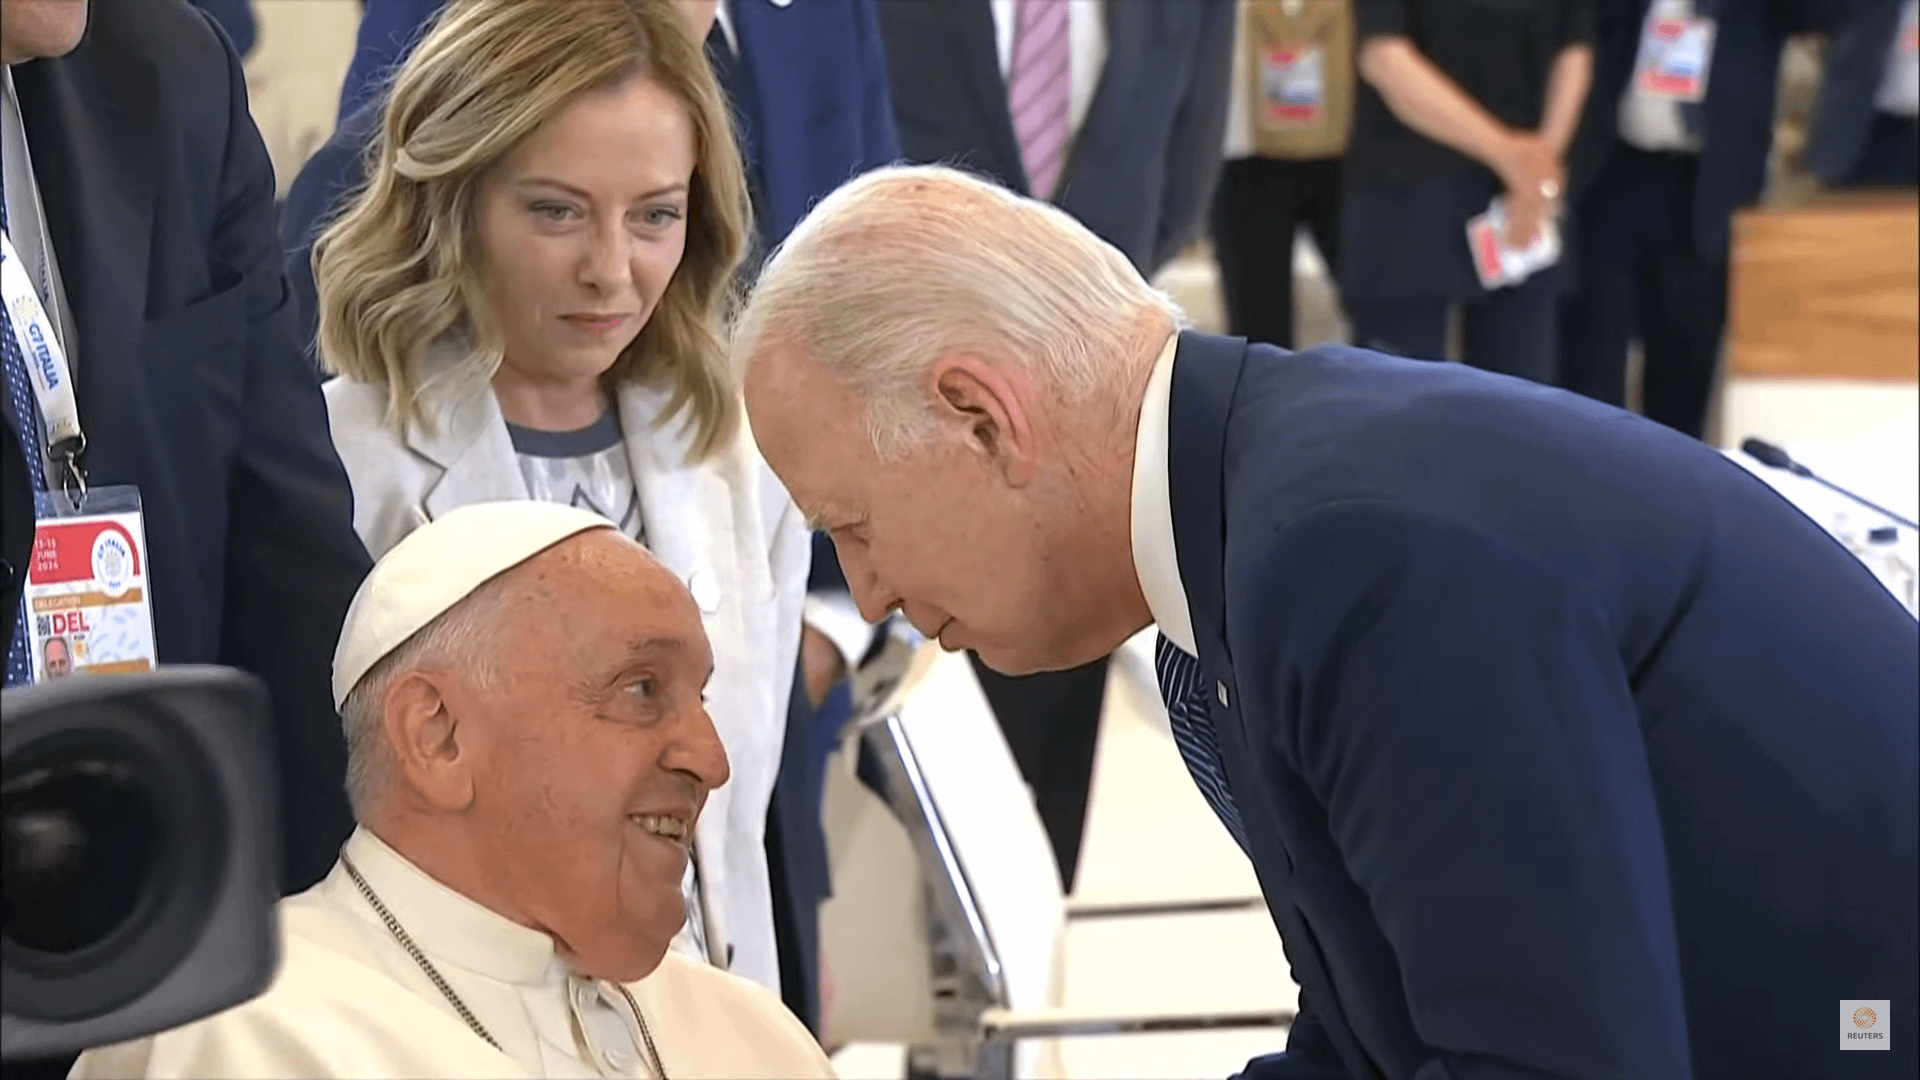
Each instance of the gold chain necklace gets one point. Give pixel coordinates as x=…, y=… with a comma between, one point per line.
x=406, y=942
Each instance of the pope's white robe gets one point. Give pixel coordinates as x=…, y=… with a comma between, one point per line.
x=348, y=1001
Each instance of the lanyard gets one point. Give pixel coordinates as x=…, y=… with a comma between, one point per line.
x=46, y=366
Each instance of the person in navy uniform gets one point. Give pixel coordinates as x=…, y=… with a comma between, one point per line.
x=1657, y=178
x=1460, y=102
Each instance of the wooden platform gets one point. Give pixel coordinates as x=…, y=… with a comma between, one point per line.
x=1828, y=290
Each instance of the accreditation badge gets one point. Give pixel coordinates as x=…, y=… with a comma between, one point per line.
x=89, y=610
x=1676, y=52
x=1293, y=86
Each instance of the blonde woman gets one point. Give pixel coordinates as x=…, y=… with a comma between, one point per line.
x=525, y=302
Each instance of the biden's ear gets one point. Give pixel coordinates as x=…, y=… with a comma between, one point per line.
x=987, y=408
x=430, y=763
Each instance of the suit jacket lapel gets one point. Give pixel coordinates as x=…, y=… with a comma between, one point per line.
x=468, y=438
x=1206, y=375
x=91, y=129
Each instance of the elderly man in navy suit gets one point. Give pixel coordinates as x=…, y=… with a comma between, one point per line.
x=1562, y=746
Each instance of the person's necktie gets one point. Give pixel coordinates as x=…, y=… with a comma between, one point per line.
x=1039, y=90
x=1184, y=688
x=26, y=427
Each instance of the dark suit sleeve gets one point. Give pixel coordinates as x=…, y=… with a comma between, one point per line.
x=880, y=132
x=389, y=29
x=1379, y=18
x=1310, y=1054
x=319, y=192
x=1197, y=143
x=1463, y=720
x=293, y=561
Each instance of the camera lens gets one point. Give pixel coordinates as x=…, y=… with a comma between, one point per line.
x=79, y=837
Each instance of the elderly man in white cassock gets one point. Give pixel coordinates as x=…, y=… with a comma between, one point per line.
x=522, y=691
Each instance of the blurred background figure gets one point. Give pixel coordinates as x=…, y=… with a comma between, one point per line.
x=1864, y=132
x=1676, y=138
x=1116, y=111
x=1461, y=102
x=1290, y=109
x=236, y=18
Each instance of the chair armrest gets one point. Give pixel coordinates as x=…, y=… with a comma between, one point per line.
x=1116, y=909
x=1007, y=1025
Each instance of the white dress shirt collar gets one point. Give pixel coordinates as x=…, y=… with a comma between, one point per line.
x=1154, y=559
x=449, y=927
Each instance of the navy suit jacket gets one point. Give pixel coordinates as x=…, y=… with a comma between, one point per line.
x=1142, y=167
x=1737, y=115
x=236, y=18
x=1854, y=65
x=1565, y=747
x=159, y=202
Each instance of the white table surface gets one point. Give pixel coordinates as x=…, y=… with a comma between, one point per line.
x=1883, y=466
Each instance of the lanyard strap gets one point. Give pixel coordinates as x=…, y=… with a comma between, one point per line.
x=46, y=367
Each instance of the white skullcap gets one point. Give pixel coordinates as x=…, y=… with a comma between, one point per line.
x=438, y=565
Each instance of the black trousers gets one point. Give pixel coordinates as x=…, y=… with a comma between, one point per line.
x=1257, y=207
x=1641, y=278
x=1510, y=330
x=1052, y=724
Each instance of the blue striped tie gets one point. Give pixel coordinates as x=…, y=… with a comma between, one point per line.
x=1184, y=688
x=26, y=416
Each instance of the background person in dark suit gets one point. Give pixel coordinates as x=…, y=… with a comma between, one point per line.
x=808, y=87
x=1561, y=745
x=1116, y=110
x=1655, y=184
x=1863, y=132
x=157, y=200
x=1460, y=101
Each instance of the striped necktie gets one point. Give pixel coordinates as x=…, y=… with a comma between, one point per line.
x=1184, y=688
x=1039, y=90
x=25, y=412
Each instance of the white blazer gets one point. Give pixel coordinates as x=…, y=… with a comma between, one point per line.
x=727, y=527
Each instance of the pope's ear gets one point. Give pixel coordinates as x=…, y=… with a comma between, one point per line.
x=425, y=742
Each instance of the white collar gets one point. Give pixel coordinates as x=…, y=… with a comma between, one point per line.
x=448, y=927
x=1154, y=559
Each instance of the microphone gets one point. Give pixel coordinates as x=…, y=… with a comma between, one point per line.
x=1773, y=457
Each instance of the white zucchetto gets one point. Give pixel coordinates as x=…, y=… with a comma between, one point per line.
x=438, y=565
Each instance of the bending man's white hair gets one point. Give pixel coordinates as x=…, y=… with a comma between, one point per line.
x=909, y=263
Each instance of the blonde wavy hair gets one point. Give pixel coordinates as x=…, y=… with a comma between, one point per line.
x=399, y=268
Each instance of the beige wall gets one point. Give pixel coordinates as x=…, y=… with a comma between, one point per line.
x=294, y=75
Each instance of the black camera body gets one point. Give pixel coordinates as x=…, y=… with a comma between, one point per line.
x=141, y=831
